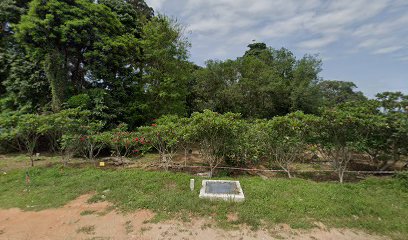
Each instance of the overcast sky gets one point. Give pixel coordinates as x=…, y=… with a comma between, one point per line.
x=364, y=41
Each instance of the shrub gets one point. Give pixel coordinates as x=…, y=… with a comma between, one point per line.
x=163, y=135
x=215, y=134
x=70, y=145
x=283, y=140
x=124, y=144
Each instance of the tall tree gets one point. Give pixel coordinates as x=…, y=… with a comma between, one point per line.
x=166, y=70
x=395, y=108
x=263, y=83
x=10, y=13
x=337, y=92
x=65, y=31
x=26, y=86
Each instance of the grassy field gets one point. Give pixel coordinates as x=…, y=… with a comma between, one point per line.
x=376, y=205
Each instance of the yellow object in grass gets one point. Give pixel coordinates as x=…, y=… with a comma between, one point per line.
x=101, y=164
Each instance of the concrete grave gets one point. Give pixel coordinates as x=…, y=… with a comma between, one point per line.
x=222, y=189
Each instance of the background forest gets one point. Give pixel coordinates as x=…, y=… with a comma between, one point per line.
x=122, y=62
x=82, y=76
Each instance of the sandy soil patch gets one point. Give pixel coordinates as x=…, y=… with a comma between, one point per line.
x=99, y=221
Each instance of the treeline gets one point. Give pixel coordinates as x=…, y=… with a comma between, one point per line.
x=124, y=64
x=376, y=128
x=112, y=57
x=80, y=76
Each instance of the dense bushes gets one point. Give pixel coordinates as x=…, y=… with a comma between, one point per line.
x=70, y=132
x=334, y=135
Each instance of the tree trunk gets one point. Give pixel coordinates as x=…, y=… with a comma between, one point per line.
x=341, y=176
x=211, y=170
x=56, y=71
x=288, y=172
x=32, y=160
x=185, y=157
x=166, y=166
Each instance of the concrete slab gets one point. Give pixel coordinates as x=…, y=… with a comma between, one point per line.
x=222, y=189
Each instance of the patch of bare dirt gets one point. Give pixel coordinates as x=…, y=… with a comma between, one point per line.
x=76, y=220
x=200, y=229
x=99, y=221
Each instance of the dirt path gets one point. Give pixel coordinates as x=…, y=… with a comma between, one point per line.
x=98, y=221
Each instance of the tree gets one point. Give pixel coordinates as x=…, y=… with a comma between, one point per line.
x=249, y=146
x=116, y=66
x=64, y=122
x=8, y=137
x=284, y=139
x=92, y=139
x=395, y=108
x=184, y=135
x=165, y=51
x=216, y=87
x=373, y=131
x=26, y=85
x=265, y=82
x=65, y=32
x=336, y=133
x=24, y=132
x=214, y=133
x=337, y=92
x=305, y=95
x=123, y=143
x=100, y=105
x=15, y=67
x=393, y=101
x=163, y=136
x=256, y=49
x=70, y=145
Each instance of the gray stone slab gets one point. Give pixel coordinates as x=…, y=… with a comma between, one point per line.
x=222, y=189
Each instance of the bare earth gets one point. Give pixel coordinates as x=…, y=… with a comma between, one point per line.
x=98, y=221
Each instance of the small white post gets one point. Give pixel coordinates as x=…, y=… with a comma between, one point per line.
x=192, y=184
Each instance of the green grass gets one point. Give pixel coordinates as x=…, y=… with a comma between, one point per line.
x=87, y=229
x=375, y=205
x=87, y=212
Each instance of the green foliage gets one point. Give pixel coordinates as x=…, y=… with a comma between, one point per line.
x=124, y=144
x=248, y=147
x=337, y=136
x=215, y=134
x=22, y=131
x=165, y=52
x=263, y=83
x=284, y=139
x=395, y=107
x=164, y=136
x=70, y=145
x=403, y=178
x=82, y=101
x=393, y=101
x=97, y=64
x=337, y=92
x=92, y=139
x=65, y=31
x=25, y=83
x=8, y=139
x=99, y=104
